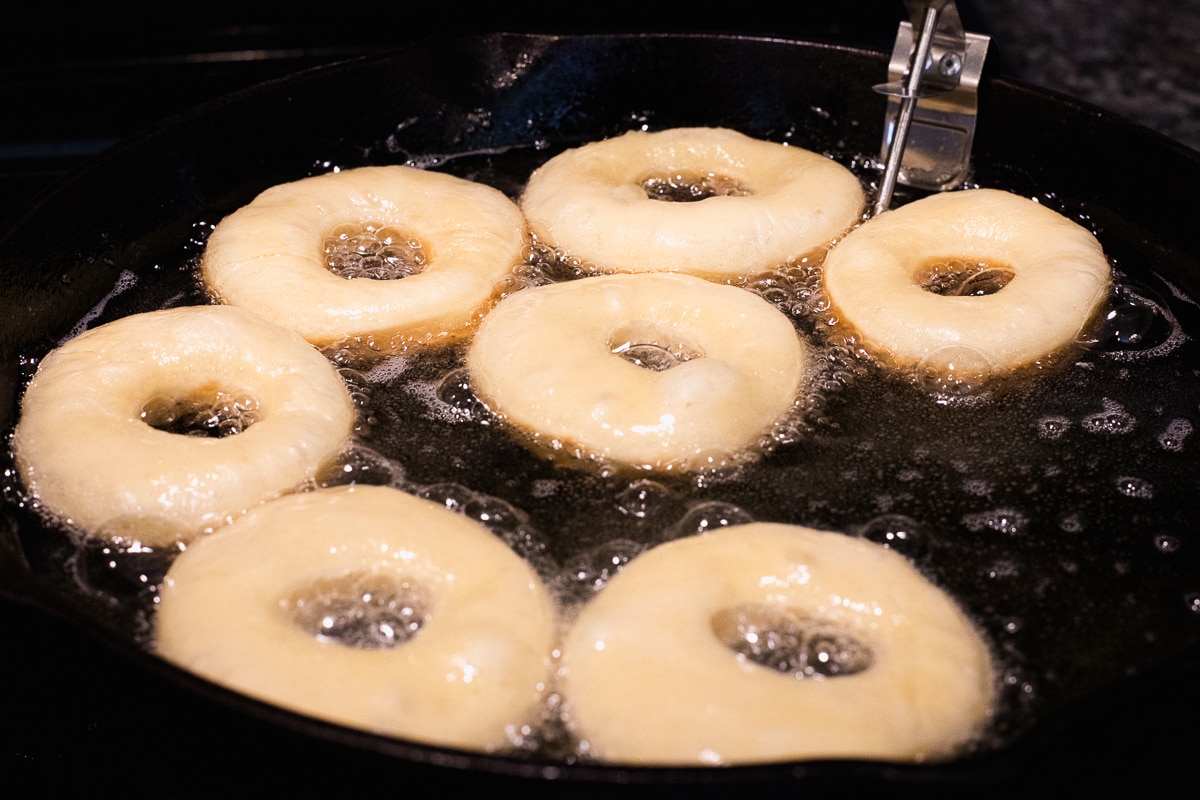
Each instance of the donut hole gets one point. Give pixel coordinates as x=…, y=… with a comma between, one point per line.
x=961, y=278
x=207, y=411
x=647, y=345
x=360, y=610
x=374, y=251
x=689, y=187
x=787, y=641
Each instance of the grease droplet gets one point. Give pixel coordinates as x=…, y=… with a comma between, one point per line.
x=1135, y=487
x=1176, y=433
x=897, y=532
x=1166, y=543
x=1001, y=520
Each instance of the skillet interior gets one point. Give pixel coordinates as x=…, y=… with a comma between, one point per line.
x=492, y=108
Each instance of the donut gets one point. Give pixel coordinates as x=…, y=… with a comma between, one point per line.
x=94, y=444
x=754, y=204
x=445, y=242
x=656, y=371
x=883, y=279
x=366, y=607
x=768, y=642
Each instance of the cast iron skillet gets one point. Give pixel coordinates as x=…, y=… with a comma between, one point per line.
x=1085, y=592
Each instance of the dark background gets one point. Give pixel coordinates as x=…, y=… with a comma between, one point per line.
x=74, y=82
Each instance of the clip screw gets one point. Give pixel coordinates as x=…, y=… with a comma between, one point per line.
x=950, y=65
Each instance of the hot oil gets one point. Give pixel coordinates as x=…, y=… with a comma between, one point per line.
x=1032, y=498
x=1043, y=508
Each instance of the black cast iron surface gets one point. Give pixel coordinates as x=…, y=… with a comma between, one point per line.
x=509, y=103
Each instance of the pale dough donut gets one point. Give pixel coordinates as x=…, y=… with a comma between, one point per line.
x=85, y=452
x=269, y=256
x=1060, y=277
x=231, y=610
x=544, y=360
x=590, y=203
x=647, y=680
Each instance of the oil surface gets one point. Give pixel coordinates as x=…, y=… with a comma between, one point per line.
x=1054, y=507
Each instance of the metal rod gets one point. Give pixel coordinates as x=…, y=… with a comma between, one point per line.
x=908, y=103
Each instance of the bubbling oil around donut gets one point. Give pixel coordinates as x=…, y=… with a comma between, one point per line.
x=645, y=345
x=206, y=412
x=958, y=278
x=589, y=572
x=787, y=641
x=374, y=251
x=681, y=187
x=360, y=610
x=1142, y=331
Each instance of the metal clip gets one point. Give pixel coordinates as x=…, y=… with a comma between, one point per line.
x=930, y=122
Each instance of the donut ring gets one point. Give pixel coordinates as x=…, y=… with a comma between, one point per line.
x=231, y=610
x=591, y=203
x=546, y=359
x=269, y=256
x=1059, y=278
x=87, y=454
x=647, y=680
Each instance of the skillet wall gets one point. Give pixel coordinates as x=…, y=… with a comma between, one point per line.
x=133, y=208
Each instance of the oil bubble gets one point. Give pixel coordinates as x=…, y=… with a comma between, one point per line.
x=1114, y=420
x=775, y=289
x=897, y=532
x=373, y=251
x=710, y=516
x=589, y=572
x=364, y=611
x=454, y=390
x=642, y=498
x=361, y=465
x=1193, y=602
x=786, y=641
x=493, y=512
x=1052, y=427
x=953, y=374
x=1176, y=433
x=1166, y=543
x=203, y=414
x=451, y=495
x=1137, y=323
x=977, y=487
x=508, y=522
x=1135, y=487
x=1001, y=520
x=1002, y=570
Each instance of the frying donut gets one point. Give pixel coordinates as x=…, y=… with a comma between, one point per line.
x=88, y=448
x=768, y=642
x=367, y=607
x=273, y=256
x=882, y=282
x=754, y=204
x=656, y=371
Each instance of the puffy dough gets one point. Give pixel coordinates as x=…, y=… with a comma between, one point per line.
x=1060, y=277
x=269, y=256
x=85, y=452
x=476, y=665
x=647, y=680
x=590, y=203
x=547, y=360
